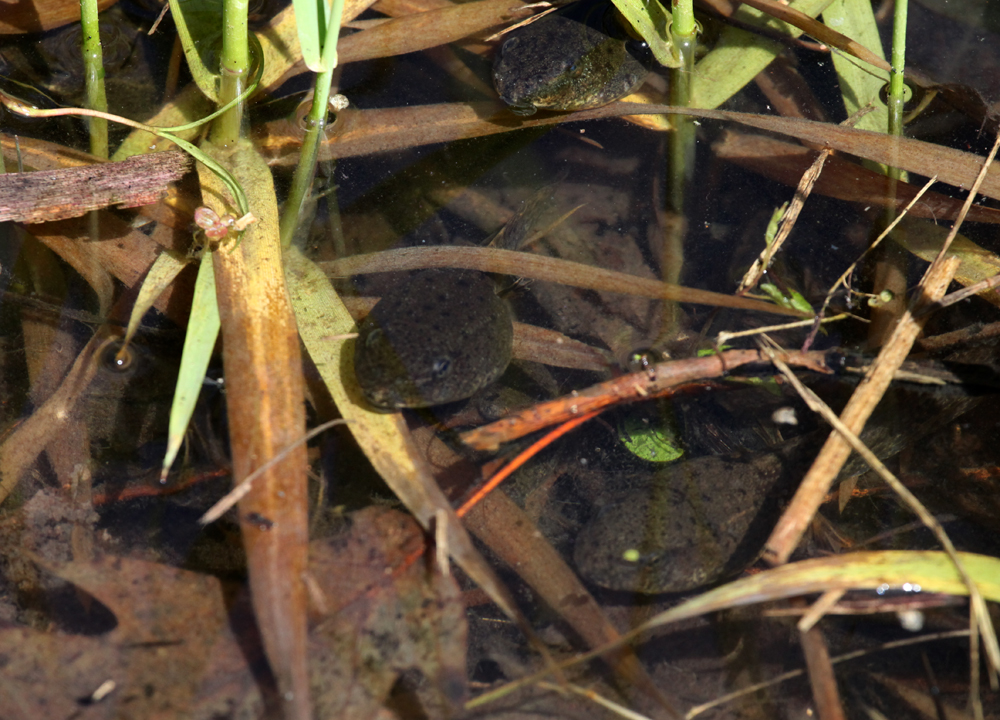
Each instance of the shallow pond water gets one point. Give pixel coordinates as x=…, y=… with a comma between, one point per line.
x=92, y=534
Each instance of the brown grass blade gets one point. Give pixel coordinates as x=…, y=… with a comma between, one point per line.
x=540, y=267
x=427, y=29
x=266, y=415
x=841, y=179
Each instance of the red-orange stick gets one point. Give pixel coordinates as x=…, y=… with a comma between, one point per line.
x=522, y=458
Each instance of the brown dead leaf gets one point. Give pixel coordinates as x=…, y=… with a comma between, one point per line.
x=169, y=621
x=386, y=613
x=52, y=675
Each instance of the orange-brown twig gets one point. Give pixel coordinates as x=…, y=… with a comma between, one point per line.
x=648, y=383
x=521, y=459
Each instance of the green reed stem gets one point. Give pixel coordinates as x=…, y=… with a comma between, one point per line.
x=681, y=155
x=684, y=24
x=235, y=70
x=896, y=84
x=681, y=142
x=93, y=73
x=315, y=125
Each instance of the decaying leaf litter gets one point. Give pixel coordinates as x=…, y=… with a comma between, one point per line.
x=601, y=325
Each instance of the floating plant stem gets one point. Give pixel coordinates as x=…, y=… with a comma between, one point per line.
x=316, y=118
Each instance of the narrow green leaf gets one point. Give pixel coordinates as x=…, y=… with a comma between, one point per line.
x=910, y=571
x=166, y=267
x=203, y=329
x=311, y=20
x=860, y=84
x=200, y=32
x=740, y=55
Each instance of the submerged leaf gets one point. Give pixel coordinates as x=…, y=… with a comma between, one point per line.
x=199, y=344
x=652, y=22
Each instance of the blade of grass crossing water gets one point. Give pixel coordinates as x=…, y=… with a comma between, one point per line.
x=311, y=21
x=197, y=24
x=165, y=269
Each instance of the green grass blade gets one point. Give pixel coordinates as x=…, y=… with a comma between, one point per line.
x=166, y=267
x=200, y=33
x=202, y=331
x=918, y=571
x=652, y=22
x=311, y=21
x=860, y=84
x=739, y=55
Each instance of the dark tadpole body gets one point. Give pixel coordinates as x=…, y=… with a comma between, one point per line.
x=437, y=337
x=699, y=521
x=573, y=59
x=440, y=335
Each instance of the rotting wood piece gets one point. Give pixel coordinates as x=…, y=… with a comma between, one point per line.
x=44, y=195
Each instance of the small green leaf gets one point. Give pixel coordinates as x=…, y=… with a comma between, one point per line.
x=794, y=299
x=772, y=225
x=706, y=352
x=654, y=439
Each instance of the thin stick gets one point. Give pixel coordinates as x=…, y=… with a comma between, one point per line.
x=804, y=505
x=842, y=280
x=238, y=492
x=792, y=674
x=521, y=459
x=659, y=380
x=791, y=215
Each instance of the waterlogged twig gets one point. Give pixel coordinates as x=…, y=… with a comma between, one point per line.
x=47, y=195
x=16, y=105
x=655, y=381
